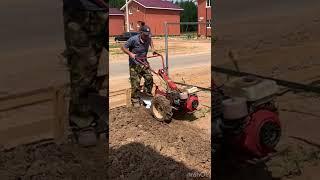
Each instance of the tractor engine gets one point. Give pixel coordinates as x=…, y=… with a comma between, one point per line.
x=186, y=101
x=245, y=116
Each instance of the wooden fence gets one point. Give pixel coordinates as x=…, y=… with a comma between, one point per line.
x=120, y=98
x=32, y=116
x=41, y=115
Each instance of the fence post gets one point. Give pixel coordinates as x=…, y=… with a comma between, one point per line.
x=167, y=36
x=59, y=114
x=166, y=46
x=128, y=97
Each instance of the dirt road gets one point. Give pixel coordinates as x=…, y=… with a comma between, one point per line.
x=33, y=37
x=31, y=25
x=120, y=68
x=176, y=46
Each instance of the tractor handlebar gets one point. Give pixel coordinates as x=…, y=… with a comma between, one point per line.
x=155, y=54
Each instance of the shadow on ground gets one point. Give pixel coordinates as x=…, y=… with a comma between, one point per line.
x=184, y=117
x=52, y=161
x=137, y=161
x=245, y=173
x=228, y=165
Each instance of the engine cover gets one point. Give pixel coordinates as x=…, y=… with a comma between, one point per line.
x=251, y=88
x=261, y=134
x=192, y=103
x=234, y=108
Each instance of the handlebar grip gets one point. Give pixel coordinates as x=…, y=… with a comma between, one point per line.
x=155, y=53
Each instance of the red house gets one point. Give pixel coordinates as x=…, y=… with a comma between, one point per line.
x=204, y=16
x=116, y=22
x=154, y=13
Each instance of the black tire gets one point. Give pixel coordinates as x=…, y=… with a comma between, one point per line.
x=161, y=109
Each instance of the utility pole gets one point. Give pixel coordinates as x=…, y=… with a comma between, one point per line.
x=127, y=16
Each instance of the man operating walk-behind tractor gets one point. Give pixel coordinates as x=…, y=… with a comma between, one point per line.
x=138, y=46
x=166, y=101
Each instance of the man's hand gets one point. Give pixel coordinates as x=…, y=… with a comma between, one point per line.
x=147, y=65
x=155, y=53
x=132, y=55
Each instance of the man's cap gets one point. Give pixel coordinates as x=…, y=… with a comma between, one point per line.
x=145, y=30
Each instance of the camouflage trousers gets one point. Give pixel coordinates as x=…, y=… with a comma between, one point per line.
x=136, y=73
x=84, y=39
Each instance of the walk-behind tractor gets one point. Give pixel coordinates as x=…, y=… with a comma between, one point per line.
x=245, y=118
x=169, y=98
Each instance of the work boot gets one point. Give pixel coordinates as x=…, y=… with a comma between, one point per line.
x=83, y=130
x=87, y=137
x=135, y=102
x=148, y=94
x=147, y=91
x=104, y=138
x=82, y=121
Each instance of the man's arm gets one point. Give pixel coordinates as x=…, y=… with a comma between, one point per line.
x=125, y=48
x=152, y=46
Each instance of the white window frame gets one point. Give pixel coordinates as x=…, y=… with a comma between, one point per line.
x=138, y=8
x=130, y=10
x=208, y=4
x=131, y=26
x=138, y=25
x=210, y=24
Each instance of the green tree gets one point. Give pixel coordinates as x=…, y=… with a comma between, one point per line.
x=116, y=3
x=189, y=14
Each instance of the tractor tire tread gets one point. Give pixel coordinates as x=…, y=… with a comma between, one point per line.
x=165, y=106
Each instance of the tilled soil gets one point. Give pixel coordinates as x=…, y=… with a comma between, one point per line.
x=53, y=161
x=142, y=148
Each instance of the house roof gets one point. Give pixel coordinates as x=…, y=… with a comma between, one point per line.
x=156, y=4
x=115, y=11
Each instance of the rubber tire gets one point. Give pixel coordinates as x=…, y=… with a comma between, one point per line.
x=166, y=111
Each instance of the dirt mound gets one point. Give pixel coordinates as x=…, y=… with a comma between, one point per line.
x=143, y=148
x=52, y=161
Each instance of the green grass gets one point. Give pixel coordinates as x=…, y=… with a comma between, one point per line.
x=186, y=33
x=189, y=35
x=114, y=46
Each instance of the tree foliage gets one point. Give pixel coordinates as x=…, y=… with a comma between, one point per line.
x=189, y=14
x=116, y=3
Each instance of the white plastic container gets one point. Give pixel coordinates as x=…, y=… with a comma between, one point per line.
x=192, y=90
